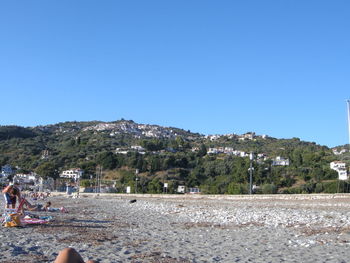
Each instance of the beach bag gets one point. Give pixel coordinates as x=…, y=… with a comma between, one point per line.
x=12, y=220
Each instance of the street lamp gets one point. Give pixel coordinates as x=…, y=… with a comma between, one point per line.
x=251, y=157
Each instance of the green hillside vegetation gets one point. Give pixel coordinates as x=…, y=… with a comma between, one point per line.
x=170, y=159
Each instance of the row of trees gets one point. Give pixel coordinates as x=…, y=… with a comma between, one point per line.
x=222, y=174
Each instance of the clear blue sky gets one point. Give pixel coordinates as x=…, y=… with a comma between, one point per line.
x=280, y=68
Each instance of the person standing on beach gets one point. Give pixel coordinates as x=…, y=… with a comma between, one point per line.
x=11, y=193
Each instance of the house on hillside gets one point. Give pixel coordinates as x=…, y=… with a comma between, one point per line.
x=45, y=154
x=213, y=137
x=280, y=161
x=339, y=152
x=247, y=136
x=212, y=151
x=195, y=149
x=340, y=167
x=121, y=151
x=138, y=149
x=7, y=171
x=74, y=173
x=30, y=178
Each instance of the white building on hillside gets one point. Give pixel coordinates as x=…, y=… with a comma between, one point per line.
x=7, y=170
x=341, y=151
x=121, y=151
x=138, y=148
x=247, y=136
x=74, y=173
x=340, y=167
x=212, y=151
x=213, y=137
x=25, y=178
x=280, y=161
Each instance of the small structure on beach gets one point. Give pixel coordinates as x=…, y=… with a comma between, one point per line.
x=181, y=189
x=193, y=190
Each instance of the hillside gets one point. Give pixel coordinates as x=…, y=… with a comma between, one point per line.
x=168, y=154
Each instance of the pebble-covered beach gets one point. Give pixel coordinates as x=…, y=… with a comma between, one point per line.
x=110, y=228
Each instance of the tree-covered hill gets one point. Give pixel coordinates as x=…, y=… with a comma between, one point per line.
x=169, y=154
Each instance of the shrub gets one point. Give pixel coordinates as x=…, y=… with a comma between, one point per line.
x=319, y=188
x=85, y=183
x=237, y=189
x=269, y=189
x=330, y=187
x=292, y=190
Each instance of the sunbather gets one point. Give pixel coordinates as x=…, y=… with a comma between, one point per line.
x=37, y=207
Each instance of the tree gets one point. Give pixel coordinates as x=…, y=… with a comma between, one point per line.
x=89, y=168
x=152, y=145
x=107, y=160
x=297, y=159
x=47, y=169
x=155, y=164
x=202, y=151
x=169, y=162
x=155, y=186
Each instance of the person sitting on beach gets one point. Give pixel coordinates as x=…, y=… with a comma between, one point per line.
x=70, y=255
x=11, y=193
x=34, y=195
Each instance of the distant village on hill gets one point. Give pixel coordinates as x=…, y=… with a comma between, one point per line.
x=124, y=156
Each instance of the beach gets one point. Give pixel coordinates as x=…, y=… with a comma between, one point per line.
x=183, y=228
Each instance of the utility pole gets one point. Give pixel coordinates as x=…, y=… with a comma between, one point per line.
x=99, y=190
x=96, y=183
x=98, y=178
x=136, y=179
x=348, y=102
x=251, y=157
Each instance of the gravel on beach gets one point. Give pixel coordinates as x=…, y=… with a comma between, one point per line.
x=111, y=228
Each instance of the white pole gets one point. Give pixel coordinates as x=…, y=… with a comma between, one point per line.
x=99, y=180
x=251, y=157
x=348, y=102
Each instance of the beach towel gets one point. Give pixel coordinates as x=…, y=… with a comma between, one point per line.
x=33, y=219
x=11, y=219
